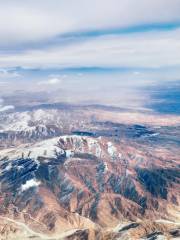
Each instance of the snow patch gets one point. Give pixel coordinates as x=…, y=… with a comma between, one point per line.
x=69, y=153
x=111, y=149
x=94, y=147
x=105, y=167
x=8, y=167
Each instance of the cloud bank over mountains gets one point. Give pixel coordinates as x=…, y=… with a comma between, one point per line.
x=99, y=42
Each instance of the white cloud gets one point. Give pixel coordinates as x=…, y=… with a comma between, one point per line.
x=31, y=21
x=4, y=73
x=136, y=73
x=30, y=183
x=52, y=81
x=5, y=108
x=33, y=26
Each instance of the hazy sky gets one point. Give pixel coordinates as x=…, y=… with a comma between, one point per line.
x=89, y=50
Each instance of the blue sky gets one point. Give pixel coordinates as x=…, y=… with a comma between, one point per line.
x=88, y=45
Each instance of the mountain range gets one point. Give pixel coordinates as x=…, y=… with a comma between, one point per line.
x=76, y=173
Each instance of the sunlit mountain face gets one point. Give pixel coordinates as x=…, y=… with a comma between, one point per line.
x=90, y=120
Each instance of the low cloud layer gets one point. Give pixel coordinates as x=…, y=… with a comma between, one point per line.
x=3, y=107
x=140, y=50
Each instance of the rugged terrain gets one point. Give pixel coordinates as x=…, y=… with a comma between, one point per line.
x=72, y=172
